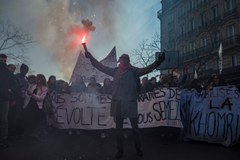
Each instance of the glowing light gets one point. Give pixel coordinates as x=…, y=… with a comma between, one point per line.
x=75, y=36
x=84, y=38
x=84, y=42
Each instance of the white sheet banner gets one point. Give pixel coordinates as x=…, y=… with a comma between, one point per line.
x=85, y=69
x=89, y=111
x=215, y=116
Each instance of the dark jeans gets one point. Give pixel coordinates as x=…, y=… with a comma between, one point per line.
x=34, y=118
x=17, y=117
x=4, y=108
x=120, y=137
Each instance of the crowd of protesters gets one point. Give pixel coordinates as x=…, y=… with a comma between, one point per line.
x=21, y=101
x=22, y=96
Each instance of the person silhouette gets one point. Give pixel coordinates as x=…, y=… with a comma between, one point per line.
x=124, y=96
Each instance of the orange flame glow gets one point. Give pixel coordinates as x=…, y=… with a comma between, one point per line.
x=84, y=38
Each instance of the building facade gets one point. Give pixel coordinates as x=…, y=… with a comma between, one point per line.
x=196, y=28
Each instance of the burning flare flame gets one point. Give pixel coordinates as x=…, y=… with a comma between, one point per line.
x=84, y=38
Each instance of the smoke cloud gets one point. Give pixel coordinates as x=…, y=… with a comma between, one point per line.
x=60, y=32
x=60, y=24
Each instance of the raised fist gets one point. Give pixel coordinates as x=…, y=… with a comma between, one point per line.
x=161, y=57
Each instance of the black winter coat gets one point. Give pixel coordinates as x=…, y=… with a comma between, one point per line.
x=124, y=94
x=7, y=85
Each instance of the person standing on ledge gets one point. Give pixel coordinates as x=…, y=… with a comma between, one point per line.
x=124, y=95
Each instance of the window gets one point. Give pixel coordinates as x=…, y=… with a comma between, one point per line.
x=216, y=36
x=230, y=31
x=182, y=10
x=184, y=49
x=171, y=18
x=183, y=31
x=203, y=1
x=231, y=5
x=215, y=13
x=192, y=25
x=235, y=60
x=216, y=39
x=204, y=42
x=191, y=4
x=230, y=34
x=203, y=19
x=192, y=69
x=205, y=66
x=192, y=46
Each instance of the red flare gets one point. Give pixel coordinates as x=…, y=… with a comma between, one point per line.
x=84, y=38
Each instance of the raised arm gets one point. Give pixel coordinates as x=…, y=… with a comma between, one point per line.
x=152, y=66
x=107, y=70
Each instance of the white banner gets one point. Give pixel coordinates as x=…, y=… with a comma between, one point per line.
x=85, y=69
x=213, y=117
x=89, y=111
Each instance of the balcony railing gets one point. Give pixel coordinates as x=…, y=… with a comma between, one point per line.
x=210, y=49
x=215, y=20
x=203, y=27
x=202, y=4
x=168, y=4
x=230, y=13
x=197, y=53
x=233, y=40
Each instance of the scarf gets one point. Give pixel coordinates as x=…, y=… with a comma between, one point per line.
x=123, y=67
